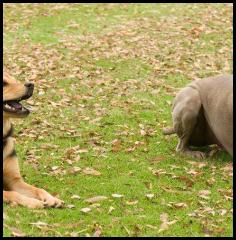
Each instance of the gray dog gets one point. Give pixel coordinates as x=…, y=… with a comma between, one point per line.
x=202, y=115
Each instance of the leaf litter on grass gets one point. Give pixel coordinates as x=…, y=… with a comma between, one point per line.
x=102, y=93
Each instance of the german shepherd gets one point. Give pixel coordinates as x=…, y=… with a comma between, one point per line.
x=15, y=190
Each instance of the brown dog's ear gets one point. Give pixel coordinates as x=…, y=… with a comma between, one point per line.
x=7, y=77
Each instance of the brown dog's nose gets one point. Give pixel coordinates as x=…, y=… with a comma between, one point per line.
x=30, y=88
x=29, y=85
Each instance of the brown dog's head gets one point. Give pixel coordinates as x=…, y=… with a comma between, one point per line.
x=13, y=93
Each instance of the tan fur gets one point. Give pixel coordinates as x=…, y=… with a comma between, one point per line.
x=15, y=190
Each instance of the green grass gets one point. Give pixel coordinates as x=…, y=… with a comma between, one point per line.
x=104, y=72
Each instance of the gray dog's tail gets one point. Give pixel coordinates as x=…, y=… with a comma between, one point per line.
x=168, y=131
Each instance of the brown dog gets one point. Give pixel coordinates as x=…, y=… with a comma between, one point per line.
x=202, y=114
x=15, y=190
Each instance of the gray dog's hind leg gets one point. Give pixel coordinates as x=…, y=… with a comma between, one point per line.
x=189, y=121
x=185, y=115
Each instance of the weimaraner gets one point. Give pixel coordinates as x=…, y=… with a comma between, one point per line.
x=202, y=115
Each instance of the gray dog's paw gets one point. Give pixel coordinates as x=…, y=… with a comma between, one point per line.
x=196, y=154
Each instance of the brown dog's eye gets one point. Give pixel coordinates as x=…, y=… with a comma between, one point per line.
x=4, y=84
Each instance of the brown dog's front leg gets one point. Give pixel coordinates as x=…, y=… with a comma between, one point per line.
x=19, y=199
x=14, y=183
x=37, y=193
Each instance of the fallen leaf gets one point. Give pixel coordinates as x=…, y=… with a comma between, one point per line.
x=17, y=233
x=127, y=230
x=222, y=212
x=131, y=202
x=150, y=195
x=115, y=195
x=82, y=151
x=211, y=181
x=95, y=199
x=111, y=209
x=98, y=232
x=76, y=197
x=40, y=224
x=198, y=164
x=91, y=171
x=54, y=168
x=157, y=159
x=70, y=206
x=204, y=194
x=85, y=210
x=151, y=226
x=143, y=132
x=194, y=173
x=158, y=172
x=180, y=205
x=74, y=170
x=116, y=145
x=188, y=181
x=165, y=223
x=4, y=216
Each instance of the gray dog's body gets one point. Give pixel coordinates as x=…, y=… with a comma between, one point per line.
x=203, y=114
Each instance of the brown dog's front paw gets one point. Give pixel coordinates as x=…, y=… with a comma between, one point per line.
x=49, y=200
x=53, y=202
x=34, y=203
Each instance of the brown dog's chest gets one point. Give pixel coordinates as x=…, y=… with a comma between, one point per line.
x=8, y=141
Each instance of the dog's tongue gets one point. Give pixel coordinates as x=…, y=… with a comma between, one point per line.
x=16, y=105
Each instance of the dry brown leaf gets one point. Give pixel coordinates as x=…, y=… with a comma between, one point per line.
x=165, y=223
x=157, y=159
x=70, y=206
x=116, y=145
x=4, y=216
x=17, y=232
x=115, y=195
x=75, y=197
x=111, y=209
x=131, y=202
x=98, y=232
x=91, y=171
x=82, y=151
x=150, y=195
x=204, y=194
x=96, y=199
x=198, y=164
x=180, y=205
x=74, y=170
x=187, y=180
x=85, y=210
x=194, y=173
x=40, y=224
x=158, y=172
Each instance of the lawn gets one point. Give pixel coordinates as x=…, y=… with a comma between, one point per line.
x=105, y=76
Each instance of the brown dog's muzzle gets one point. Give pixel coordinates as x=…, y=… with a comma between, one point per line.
x=14, y=107
x=29, y=93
